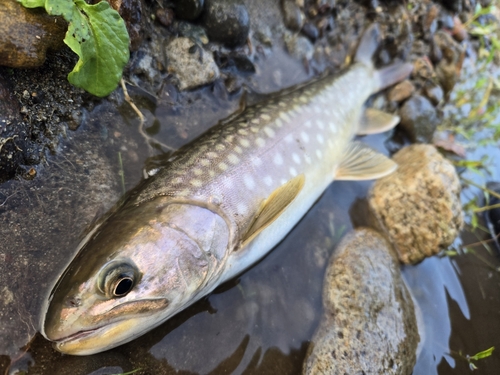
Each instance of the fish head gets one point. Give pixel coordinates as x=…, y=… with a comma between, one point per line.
x=141, y=266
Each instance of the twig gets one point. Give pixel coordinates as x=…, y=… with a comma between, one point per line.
x=142, y=119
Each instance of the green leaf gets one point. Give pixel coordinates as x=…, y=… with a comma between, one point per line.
x=104, y=54
x=32, y=3
x=484, y=354
x=97, y=34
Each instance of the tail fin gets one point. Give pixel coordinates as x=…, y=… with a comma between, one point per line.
x=388, y=75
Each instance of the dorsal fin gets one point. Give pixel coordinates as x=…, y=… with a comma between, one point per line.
x=374, y=121
x=360, y=162
x=272, y=207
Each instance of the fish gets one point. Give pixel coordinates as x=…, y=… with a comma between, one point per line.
x=218, y=206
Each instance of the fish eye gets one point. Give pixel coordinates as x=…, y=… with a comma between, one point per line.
x=123, y=286
x=116, y=279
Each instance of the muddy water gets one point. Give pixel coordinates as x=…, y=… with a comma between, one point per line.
x=259, y=323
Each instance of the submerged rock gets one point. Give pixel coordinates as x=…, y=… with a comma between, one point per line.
x=419, y=119
x=191, y=64
x=418, y=206
x=188, y=9
x=226, y=22
x=26, y=34
x=369, y=324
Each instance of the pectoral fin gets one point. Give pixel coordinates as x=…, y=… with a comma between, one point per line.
x=374, y=121
x=272, y=207
x=360, y=162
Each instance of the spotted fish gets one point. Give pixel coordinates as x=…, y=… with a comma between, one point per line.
x=217, y=207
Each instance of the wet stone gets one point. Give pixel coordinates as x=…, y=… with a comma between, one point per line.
x=433, y=92
x=448, y=69
x=27, y=34
x=369, y=324
x=293, y=16
x=190, y=63
x=418, y=206
x=131, y=12
x=419, y=119
x=299, y=47
x=401, y=91
x=226, y=22
x=188, y=9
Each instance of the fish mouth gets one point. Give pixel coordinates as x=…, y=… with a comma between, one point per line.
x=76, y=336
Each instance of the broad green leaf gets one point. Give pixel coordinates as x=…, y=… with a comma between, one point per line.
x=32, y=3
x=104, y=53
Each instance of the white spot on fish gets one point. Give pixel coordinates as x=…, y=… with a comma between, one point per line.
x=211, y=155
x=184, y=192
x=196, y=183
x=260, y=142
x=241, y=208
x=177, y=180
x=319, y=154
x=320, y=124
x=293, y=171
x=222, y=166
x=220, y=147
x=283, y=181
x=211, y=173
x=307, y=124
x=278, y=159
x=307, y=159
x=285, y=117
x=282, y=104
x=320, y=138
x=333, y=128
x=305, y=137
x=238, y=149
x=265, y=117
x=229, y=138
x=242, y=132
x=317, y=109
x=197, y=172
x=296, y=158
x=270, y=132
x=268, y=180
x=205, y=162
x=304, y=99
x=233, y=159
x=254, y=129
x=244, y=142
x=257, y=162
x=289, y=138
x=255, y=121
x=249, y=181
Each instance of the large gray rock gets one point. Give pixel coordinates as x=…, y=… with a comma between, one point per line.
x=369, y=324
x=418, y=206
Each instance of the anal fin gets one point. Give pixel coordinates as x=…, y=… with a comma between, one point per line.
x=360, y=162
x=374, y=121
x=273, y=206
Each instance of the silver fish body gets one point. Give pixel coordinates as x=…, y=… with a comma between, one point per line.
x=219, y=206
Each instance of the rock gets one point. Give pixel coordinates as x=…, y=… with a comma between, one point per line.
x=422, y=68
x=448, y=69
x=165, y=16
x=369, y=324
x=191, y=64
x=299, y=46
x=188, y=9
x=418, y=206
x=293, y=16
x=419, y=119
x=401, y=91
x=459, y=31
x=433, y=92
x=311, y=31
x=27, y=34
x=226, y=22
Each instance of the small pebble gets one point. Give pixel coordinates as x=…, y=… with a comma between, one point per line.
x=227, y=22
